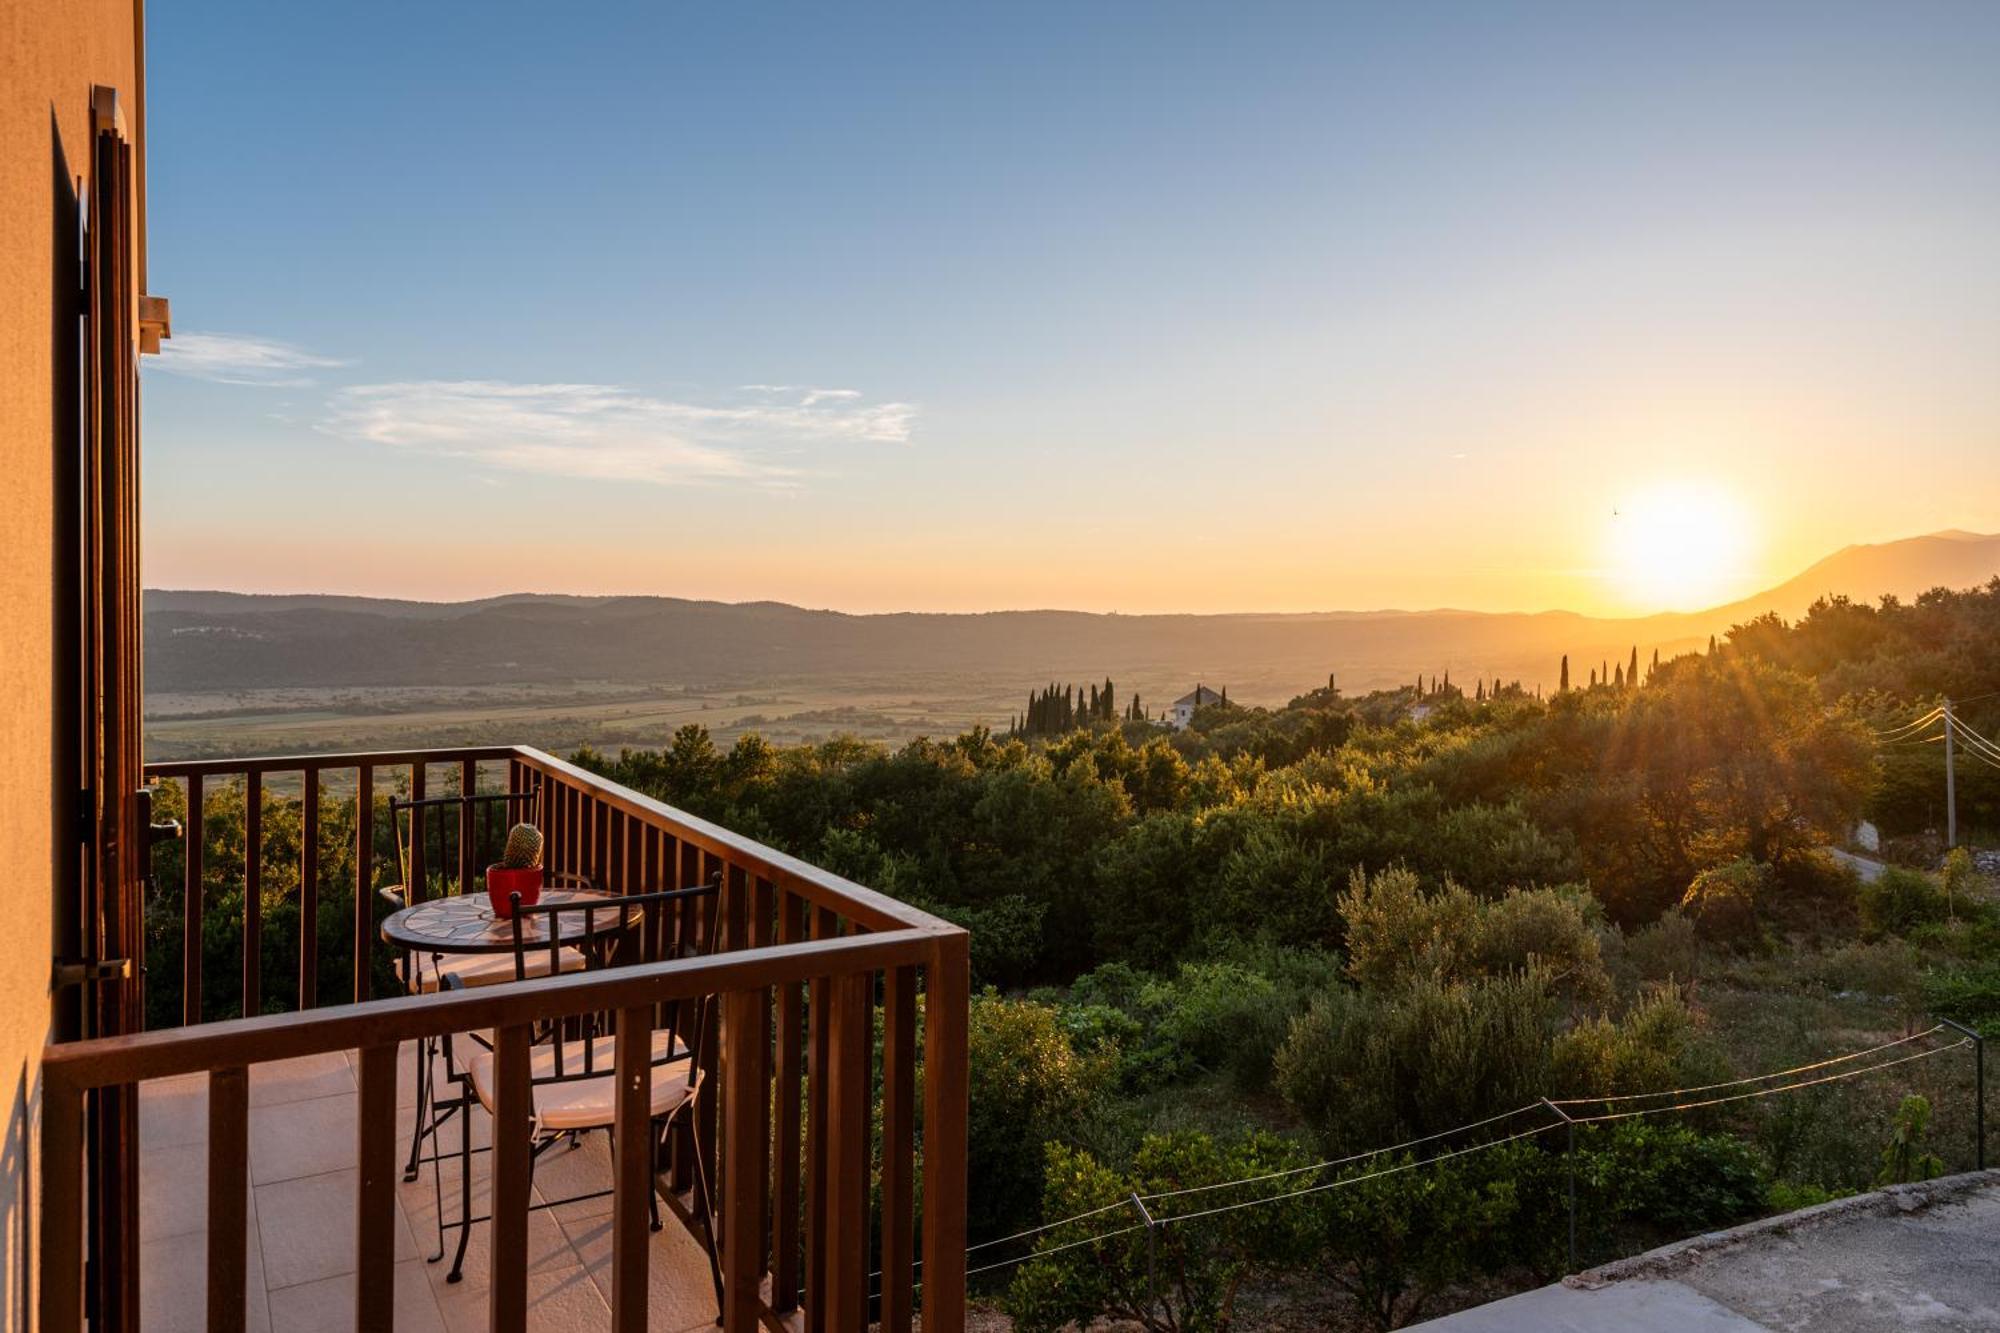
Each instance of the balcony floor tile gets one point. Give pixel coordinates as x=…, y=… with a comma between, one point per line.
x=300, y=1218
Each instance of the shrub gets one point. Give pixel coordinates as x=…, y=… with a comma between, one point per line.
x=1030, y=1085
x=1906, y=1158
x=1724, y=901
x=1397, y=933
x=1666, y=950
x=1403, y=1231
x=1228, y=1015
x=1898, y=901
x=1366, y=1069
x=1667, y=1180
x=1658, y=1044
x=1201, y=1266
x=1969, y=995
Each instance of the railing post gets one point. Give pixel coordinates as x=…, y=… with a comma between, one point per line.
x=375, y=1202
x=899, y=1146
x=253, y=895
x=745, y=1094
x=61, y=1284
x=309, y=894
x=468, y=834
x=1569, y=1167
x=228, y=1187
x=632, y=1160
x=1979, y=1087
x=1152, y=1252
x=848, y=1132
x=513, y=1130
x=946, y=1088
x=364, y=880
x=192, y=906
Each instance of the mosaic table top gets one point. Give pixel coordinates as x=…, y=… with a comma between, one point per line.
x=465, y=923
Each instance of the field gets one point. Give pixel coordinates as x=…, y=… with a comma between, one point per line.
x=606, y=714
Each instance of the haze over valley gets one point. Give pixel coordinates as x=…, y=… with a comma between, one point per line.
x=232, y=673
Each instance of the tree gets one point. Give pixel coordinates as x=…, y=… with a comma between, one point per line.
x=1632, y=667
x=1030, y=1086
x=1562, y=685
x=1200, y=1268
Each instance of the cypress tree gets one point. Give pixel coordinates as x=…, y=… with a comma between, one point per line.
x=1632, y=667
x=1563, y=686
x=1619, y=683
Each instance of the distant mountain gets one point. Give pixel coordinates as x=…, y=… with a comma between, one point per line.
x=221, y=641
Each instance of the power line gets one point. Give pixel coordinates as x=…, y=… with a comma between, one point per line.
x=1456, y=1152
x=1342, y=1161
x=1916, y=725
x=1766, y=1092
x=1356, y=1180
x=1974, y=739
x=1754, y=1078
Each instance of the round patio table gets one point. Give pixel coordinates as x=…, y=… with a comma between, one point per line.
x=465, y=923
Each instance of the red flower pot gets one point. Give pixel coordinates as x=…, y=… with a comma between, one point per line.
x=503, y=883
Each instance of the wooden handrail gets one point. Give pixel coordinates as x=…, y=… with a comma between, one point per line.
x=295, y=763
x=878, y=911
x=108, y=1061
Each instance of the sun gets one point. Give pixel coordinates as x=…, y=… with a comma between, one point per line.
x=1679, y=546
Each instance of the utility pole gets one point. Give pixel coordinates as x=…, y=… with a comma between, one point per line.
x=1950, y=785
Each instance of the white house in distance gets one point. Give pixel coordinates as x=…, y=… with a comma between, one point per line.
x=1182, y=712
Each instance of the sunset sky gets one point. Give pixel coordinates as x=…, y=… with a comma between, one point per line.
x=1132, y=307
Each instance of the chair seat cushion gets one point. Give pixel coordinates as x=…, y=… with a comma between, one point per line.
x=485, y=969
x=587, y=1102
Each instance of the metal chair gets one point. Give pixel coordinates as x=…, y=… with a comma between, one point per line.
x=426, y=973
x=571, y=1064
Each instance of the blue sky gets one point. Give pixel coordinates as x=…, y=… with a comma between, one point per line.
x=1107, y=306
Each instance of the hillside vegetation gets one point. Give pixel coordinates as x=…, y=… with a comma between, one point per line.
x=1318, y=930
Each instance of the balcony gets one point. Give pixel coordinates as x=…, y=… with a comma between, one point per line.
x=269, y=1148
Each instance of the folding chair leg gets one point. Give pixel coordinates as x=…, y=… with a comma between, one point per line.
x=705, y=1205
x=464, y=1187
x=417, y=1122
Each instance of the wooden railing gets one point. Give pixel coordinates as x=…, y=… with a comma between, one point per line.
x=806, y=967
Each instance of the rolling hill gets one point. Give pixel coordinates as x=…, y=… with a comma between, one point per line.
x=230, y=642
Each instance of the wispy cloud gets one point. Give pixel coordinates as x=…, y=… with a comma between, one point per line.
x=238, y=358
x=603, y=432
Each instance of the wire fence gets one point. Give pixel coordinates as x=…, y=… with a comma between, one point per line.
x=1670, y=1101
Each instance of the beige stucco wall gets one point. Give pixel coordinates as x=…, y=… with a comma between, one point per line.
x=51, y=52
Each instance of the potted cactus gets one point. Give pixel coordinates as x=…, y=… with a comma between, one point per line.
x=519, y=870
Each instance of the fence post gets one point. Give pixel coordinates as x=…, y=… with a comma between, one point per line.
x=1979, y=1084
x=1569, y=1166
x=1152, y=1253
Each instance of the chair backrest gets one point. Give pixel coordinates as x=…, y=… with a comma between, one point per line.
x=428, y=832
x=660, y=925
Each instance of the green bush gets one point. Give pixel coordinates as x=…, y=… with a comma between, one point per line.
x=1666, y=950
x=1665, y=1181
x=1969, y=995
x=1403, y=1231
x=1658, y=1044
x=1201, y=1266
x=1398, y=933
x=1725, y=902
x=1227, y=1015
x=1898, y=901
x=1364, y=1068
x=1030, y=1085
